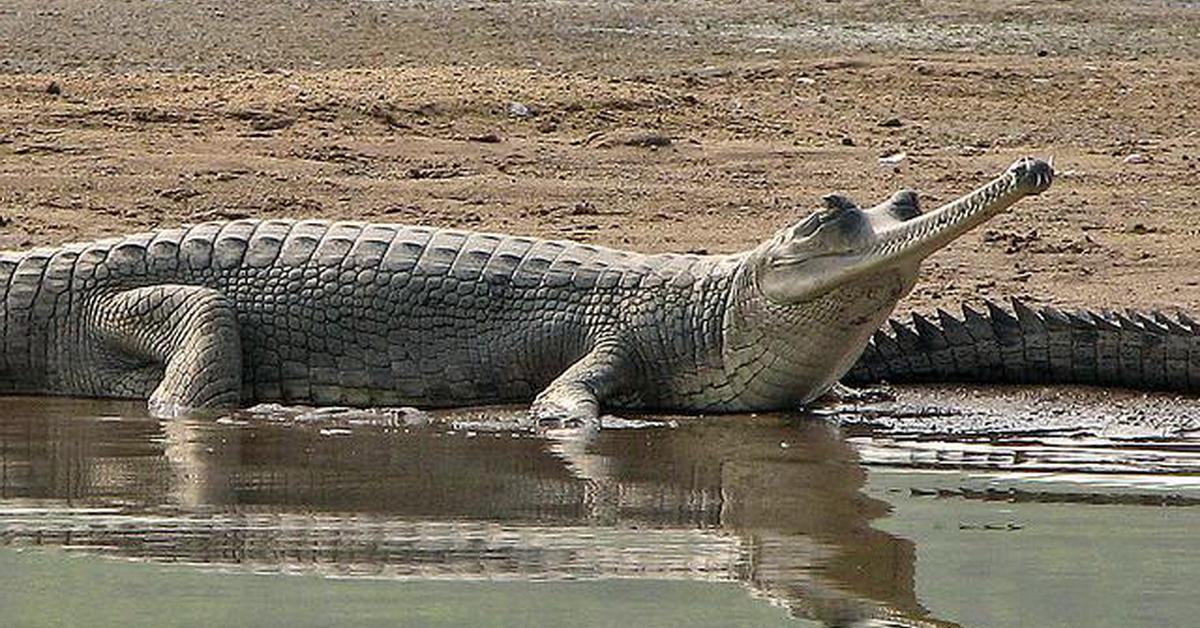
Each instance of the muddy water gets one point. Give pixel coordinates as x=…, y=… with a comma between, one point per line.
x=1011, y=513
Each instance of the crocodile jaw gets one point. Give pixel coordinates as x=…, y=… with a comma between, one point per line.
x=915, y=239
x=900, y=245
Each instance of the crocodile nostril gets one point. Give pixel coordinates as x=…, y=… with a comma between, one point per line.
x=1034, y=174
x=1031, y=167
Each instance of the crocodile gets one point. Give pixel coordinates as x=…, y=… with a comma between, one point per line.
x=1021, y=344
x=348, y=313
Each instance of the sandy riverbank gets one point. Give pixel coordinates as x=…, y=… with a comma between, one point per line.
x=634, y=126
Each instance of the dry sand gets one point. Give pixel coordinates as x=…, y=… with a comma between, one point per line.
x=660, y=126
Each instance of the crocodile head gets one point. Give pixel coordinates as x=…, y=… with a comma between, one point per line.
x=842, y=243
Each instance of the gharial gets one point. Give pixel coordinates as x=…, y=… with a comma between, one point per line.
x=349, y=313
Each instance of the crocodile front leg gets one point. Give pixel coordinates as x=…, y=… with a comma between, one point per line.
x=181, y=341
x=574, y=398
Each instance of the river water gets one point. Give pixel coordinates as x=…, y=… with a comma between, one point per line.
x=1047, y=509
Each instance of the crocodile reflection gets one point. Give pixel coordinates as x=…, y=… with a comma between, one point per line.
x=771, y=502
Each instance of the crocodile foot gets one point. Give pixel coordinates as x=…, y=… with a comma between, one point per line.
x=841, y=393
x=546, y=415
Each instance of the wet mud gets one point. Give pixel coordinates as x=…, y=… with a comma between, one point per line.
x=1043, y=430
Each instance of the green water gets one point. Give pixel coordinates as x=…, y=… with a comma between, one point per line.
x=54, y=589
x=984, y=563
x=108, y=518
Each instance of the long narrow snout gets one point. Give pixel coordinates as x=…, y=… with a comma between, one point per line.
x=903, y=239
x=919, y=237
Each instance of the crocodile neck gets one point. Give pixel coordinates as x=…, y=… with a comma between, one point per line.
x=783, y=355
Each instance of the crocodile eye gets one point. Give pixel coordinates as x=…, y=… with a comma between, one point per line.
x=837, y=203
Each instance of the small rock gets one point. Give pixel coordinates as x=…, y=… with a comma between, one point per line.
x=629, y=137
x=892, y=159
x=392, y=119
x=1043, y=53
x=486, y=138
x=847, y=140
x=594, y=136
x=5, y=221
x=649, y=139
x=584, y=208
x=519, y=110
x=178, y=194
x=54, y=89
x=272, y=123
x=892, y=123
x=226, y=214
x=1136, y=158
x=711, y=71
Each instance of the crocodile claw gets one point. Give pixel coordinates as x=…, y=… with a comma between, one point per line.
x=548, y=416
x=843, y=394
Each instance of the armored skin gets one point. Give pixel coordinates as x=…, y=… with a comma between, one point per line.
x=348, y=313
x=1020, y=344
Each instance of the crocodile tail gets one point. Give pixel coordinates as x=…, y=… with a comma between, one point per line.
x=1020, y=344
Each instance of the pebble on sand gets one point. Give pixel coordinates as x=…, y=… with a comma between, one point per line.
x=519, y=110
x=486, y=138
